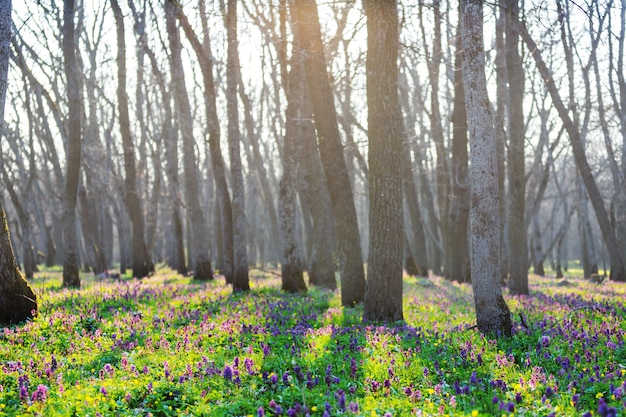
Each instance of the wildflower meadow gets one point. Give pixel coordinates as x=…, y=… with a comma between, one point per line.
x=167, y=346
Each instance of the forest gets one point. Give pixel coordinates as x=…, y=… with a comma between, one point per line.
x=312, y=207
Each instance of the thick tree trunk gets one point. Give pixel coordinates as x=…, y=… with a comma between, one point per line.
x=240, y=271
x=17, y=300
x=492, y=313
x=383, y=294
x=618, y=270
x=200, y=227
x=71, y=263
x=332, y=153
x=291, y=262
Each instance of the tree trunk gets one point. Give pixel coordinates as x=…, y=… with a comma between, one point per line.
x=321, y=264
x=71, y=264
x=518, y=246
x=460, y=188
x=332, y=153
x=17, y=300
x=240, y=271
x=203, y=52
x=492, y=313
x=291, y=263
x=200, y=227
x=383, y=294
x=618, y=271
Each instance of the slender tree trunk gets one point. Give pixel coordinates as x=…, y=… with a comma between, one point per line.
x=618, y=270
x=321, y=264
x=199, y=225
x=139, y=250
x=492, y=313
x=383, y=294
x=203, y=53
x=332, y=153
x=71, y=264
x=460, y=188
x=518, y=246
x=240, y=271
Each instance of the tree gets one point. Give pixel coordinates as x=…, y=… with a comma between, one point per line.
x=240, y=269
x=140, y=256
x=225, y=212
x=457, y=264
x=518, y=255
x=18, y=302
x=383, y=294
x=71, y=264
x=291, y=262
x=199, y=225
x=618, y=270
x=332, y=153
x=492, y=313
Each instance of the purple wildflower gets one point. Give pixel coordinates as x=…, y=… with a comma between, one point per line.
x=228, y=373
x=103, y=391
x=473, y=378
x=260, y=412
x=341, y=400
x=40, y=394
x=353, y=407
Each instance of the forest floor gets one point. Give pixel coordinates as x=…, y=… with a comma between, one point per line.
x=166, y=346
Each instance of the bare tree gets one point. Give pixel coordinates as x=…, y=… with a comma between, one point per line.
x=618, y=271
x=140, y=258
x=518, y=246
x=71, y=263
x=332, y=152
x=240, y=270
x=291, y=262
x=492, y=313
x=199, y=224
x=383, y=294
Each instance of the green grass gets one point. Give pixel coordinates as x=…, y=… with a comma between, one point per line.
x=165, y=346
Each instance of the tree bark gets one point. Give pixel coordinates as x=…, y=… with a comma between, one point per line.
x=240, y=271
x=383, y=294
x=492, y=313
x=518, y=246
x=71, y=263
x=460, y=188
x=200, y=228
x=139, y=250
x=17, y=300
x=291, y=263
x=332, y=153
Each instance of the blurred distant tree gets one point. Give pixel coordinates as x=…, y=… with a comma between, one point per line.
x=140, y=257
x=518, y=246
x=199, y=224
